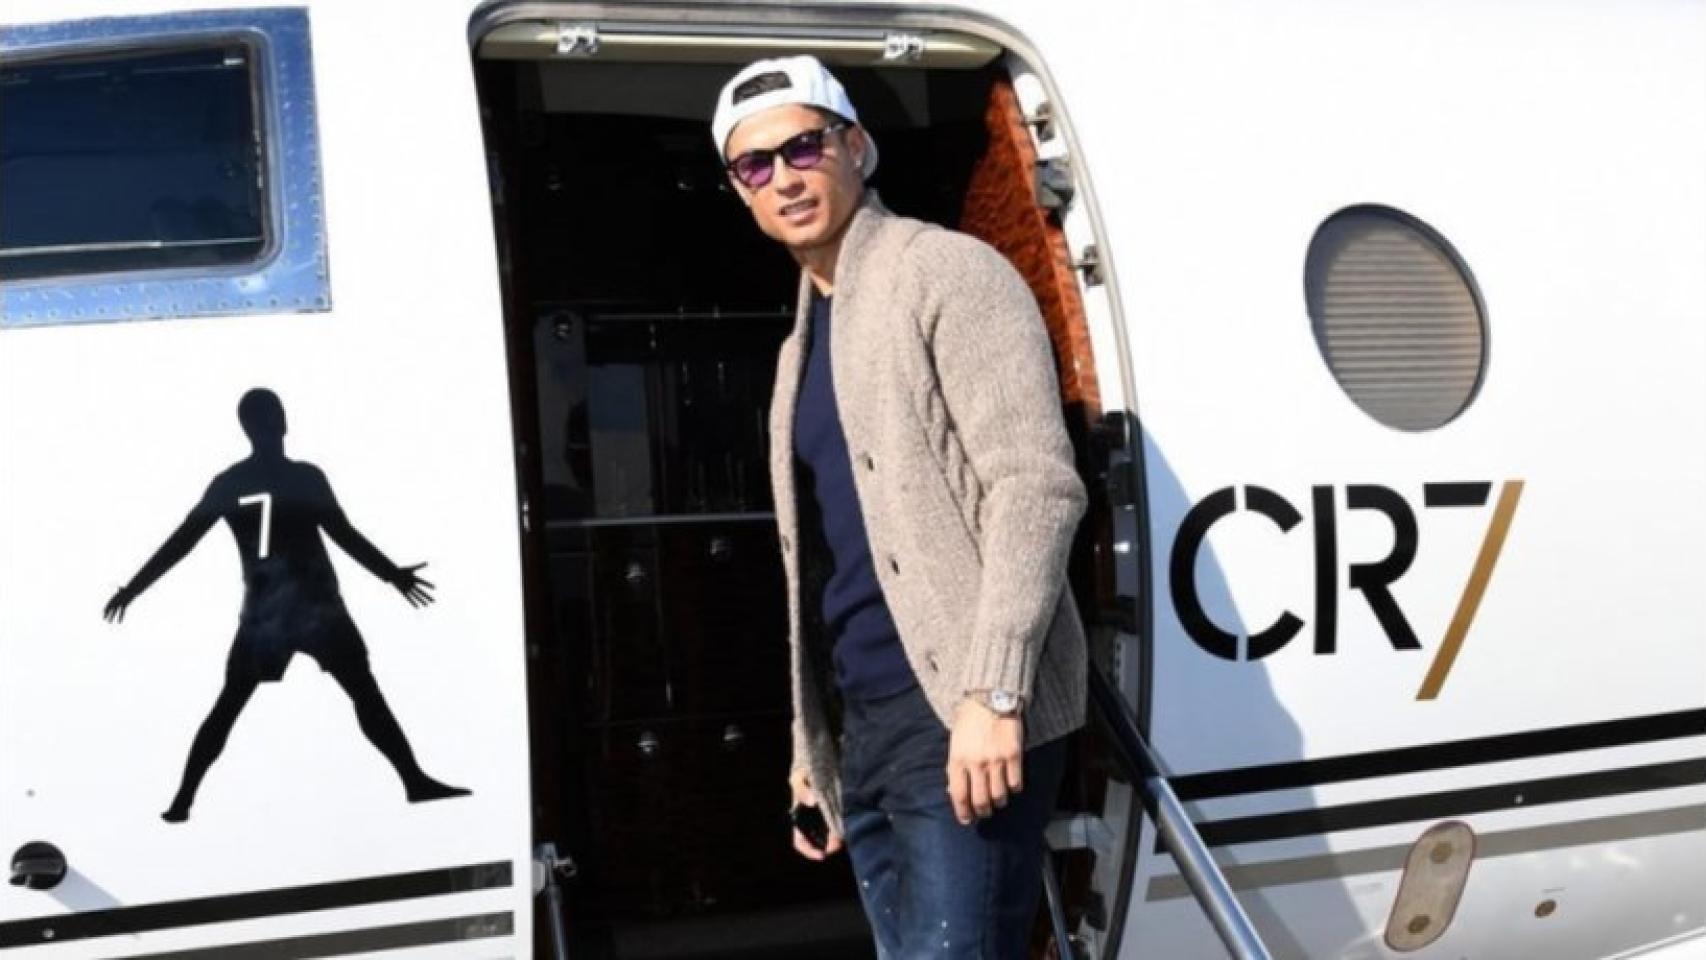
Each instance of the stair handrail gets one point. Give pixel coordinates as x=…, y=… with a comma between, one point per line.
x=1179, y=834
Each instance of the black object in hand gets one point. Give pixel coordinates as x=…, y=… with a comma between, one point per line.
x=809, y=821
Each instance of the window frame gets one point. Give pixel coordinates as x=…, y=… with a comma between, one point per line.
x=1393, y=217
x=290, y=274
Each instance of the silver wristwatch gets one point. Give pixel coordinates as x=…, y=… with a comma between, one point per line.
x=1000, y=702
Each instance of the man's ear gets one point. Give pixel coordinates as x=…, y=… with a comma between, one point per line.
x=853, y=137
x=856, y=146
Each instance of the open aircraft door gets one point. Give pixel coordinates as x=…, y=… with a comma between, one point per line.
x=233, y=720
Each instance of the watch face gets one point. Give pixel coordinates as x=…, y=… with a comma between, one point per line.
x=1003, y=701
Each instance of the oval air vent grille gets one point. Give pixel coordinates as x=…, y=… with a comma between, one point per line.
x=1396, y=315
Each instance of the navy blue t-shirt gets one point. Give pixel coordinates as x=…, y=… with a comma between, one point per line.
x=869, y=660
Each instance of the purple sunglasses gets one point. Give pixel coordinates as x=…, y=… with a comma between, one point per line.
x=802, y=151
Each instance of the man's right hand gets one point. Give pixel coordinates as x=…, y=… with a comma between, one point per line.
x=800, y=782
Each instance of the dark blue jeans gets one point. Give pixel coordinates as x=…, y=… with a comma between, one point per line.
x=931, y=887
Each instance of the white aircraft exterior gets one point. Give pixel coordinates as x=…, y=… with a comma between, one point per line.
x=1539, y=695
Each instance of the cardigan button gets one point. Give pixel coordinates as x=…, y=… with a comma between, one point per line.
x=786, y=545
x=870, y=465
x=930, y=661
x=894, y=564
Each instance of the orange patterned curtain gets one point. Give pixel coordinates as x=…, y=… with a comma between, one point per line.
x=1001, y=209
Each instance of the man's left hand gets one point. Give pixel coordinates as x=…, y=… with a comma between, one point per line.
x=986, y=753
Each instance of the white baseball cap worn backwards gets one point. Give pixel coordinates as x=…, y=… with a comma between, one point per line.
x=778, y=81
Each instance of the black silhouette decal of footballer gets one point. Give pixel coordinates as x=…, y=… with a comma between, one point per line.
x=276, y=508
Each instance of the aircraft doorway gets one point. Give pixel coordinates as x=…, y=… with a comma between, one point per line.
x=643, y=315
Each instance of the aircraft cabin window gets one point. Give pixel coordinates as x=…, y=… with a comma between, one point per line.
x=147, y=169
x=131, y=162
x=1397, y=316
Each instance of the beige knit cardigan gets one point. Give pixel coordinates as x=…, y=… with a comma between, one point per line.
x=945, y=383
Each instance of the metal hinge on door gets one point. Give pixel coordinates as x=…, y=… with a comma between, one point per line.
x=1089, y=266
x=548, y=869
x=1041, y=121
x=903, y=47
x=577, y=39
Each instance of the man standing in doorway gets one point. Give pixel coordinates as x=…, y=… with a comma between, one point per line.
x=926, y=501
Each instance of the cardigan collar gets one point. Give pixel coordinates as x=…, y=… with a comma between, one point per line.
x=862, y=226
